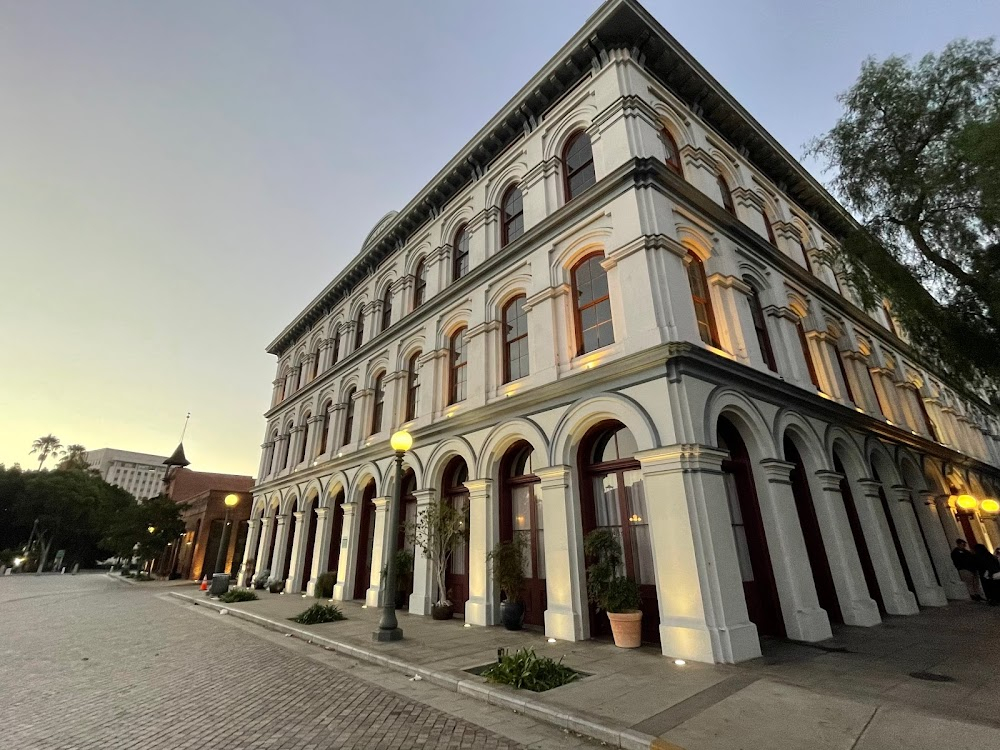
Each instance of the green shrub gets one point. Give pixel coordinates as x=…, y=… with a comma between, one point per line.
x=324, y=584
x=606, y=588
x=318, y=613
x=238, y=595
x=526, y=671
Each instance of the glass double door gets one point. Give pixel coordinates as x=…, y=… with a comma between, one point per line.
x=521, y=521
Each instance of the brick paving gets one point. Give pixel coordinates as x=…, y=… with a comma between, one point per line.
x=87, y=663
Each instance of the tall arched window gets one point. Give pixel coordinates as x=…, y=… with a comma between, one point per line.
x=802, y=252
x=460, y=254
x=760, y=327
x=807, y=353
x=511, y=216
x=315, y=363
x=305, y=436
x=673, y=155
x=456, y=367
x=387, y=308
x=515, y=340
x=725, y=194
x=282, y=379
x=889, y=322
x=578, y=161
x=336, y=348
x=849, y=391
x=324, y=434
x=770, y=228
x=378, y=403
x=594, y=328
x=285, y=449
x=702, y=302
x=271, y=465
x=412, y=386
x=419, y=284
x=359, y=328
x=348, y=416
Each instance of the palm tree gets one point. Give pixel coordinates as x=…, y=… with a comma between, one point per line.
x=74, y=458
x=45, y=447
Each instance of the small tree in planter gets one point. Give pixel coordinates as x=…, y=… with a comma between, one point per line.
x=260, y=580
x=404, y=576
x=275, y=585
x=438, y=531
x=616, y=594
x=507, y=559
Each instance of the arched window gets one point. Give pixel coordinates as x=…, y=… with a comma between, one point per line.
x=578, y=161
x=315, y=363
x=515, y=340
x=324, y=434
x=349, y=416
x=271, y=465
x=673, y=155
x=594, y=328
x=378, y=403
x=282, y=379
x=336, y=348
x=285, y=449
x=456, y=367
x=702, y=302
x=412, y=386
x=849, y=391
x=806, y=353
x=511, y=216
x=760, y=327
x=725, y=194
x=359, y=328
x=889, y=322
x=770, y=228
x=305, y=437
x=460, y=254
x=387, y=308
x=419, y=284
x=521, y=521
x=803, y=254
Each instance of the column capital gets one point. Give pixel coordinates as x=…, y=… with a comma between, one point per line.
x=282, y=519
x=777, y=471
x=322, y=513
x=251, y=522
x=298, y=515
x=380, y=503
x=479, y=487
x=869, y=487
x=829, y=480
x=681, y=457
x=555, y=475
x=265, y=522
x=899, y=493
x=425, y=496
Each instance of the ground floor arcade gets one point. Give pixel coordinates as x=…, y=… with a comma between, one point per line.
x=740, y=515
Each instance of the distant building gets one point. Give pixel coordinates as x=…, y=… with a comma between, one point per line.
x=140, y=474
x=195, y=552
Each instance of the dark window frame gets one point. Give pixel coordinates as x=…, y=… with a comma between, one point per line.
x=348, y=416
x=420, y=283
x=386, y=308
x=578, y=309
x=460, y=253
x=457, y=364
x=695, y=268
x=673, y=157
x=412, y=385
x=760, y=328
x=508, y=221
x=359, y=328
x=509, y=341
x=725, y=193
x=569, y=174
x=378, y=403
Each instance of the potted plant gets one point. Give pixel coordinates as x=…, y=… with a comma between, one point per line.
x=438, y=532
x=404, y=576
x=275, y=585
x=507, y=559
x=260, y=580
x=616, y=594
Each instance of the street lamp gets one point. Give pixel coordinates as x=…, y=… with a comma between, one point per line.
x=388, y=628
x=231, y=501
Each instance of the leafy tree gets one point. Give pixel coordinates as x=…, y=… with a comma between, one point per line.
x=46, y=446
x=132, y=527
x=915, y=156
x=74, y=458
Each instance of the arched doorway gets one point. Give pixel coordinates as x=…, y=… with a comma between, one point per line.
x=521, y=519
x=613, y=497
x=826, y=591
x=268, y=562
x=453, y=491
x=289, y=539
x=366, y=542
x=857, y=532
x=891, y=523
x=310, y=542
x=404, y=542
x=759, y=588
x=336, y=531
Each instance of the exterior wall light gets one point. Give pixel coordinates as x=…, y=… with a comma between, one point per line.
x=231, y=500
x=966, y=502
x=989, y=505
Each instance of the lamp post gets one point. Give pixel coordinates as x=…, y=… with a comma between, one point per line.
x=231, y=502
x=388, y=629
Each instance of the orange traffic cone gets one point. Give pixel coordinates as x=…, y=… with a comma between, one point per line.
x=204, y=583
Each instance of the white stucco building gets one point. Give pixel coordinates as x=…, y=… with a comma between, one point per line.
x=141, y=474
x=612, y=308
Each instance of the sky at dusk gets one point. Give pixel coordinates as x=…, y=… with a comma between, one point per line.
x=178, y=179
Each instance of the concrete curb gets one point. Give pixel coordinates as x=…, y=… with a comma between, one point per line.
x=497, y=695
x=121, y=579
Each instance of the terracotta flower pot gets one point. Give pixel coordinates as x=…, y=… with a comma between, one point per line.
x=626, y=627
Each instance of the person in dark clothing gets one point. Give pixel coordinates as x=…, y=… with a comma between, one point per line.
x=968, y=569
x=988, y=567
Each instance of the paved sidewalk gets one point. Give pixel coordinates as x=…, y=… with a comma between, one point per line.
x=855, y=692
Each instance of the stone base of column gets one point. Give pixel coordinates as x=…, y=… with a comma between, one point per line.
x=710, y=645
x=340, y=593
x=861, y=613
x=931, y=596
x=565, y=625
x=311, y=588
x=810, y=625
x=372, y=596
x=903, y=603
x=479, y=612
x=956, y=592
x=385, y=636
x=419, y=604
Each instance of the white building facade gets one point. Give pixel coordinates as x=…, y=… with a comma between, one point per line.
x=140, y=474
x=614, y=308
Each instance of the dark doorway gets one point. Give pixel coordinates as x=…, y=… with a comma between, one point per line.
x=521, y=519
x=887, y=511
x=267, y=562
x=456, y=474
x=241, y=529
x=289, y=539
x=965, y=519
x=407, y=518
x=366, y=543
x=310, y=542
x=826, y=591
x=212, y=548
x=613, y=497
x=759, y=588
x=857, y=531
x=336, y=532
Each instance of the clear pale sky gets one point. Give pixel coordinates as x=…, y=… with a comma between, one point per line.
x=178, y=179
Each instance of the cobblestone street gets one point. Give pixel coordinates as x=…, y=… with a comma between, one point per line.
x=90, y=663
